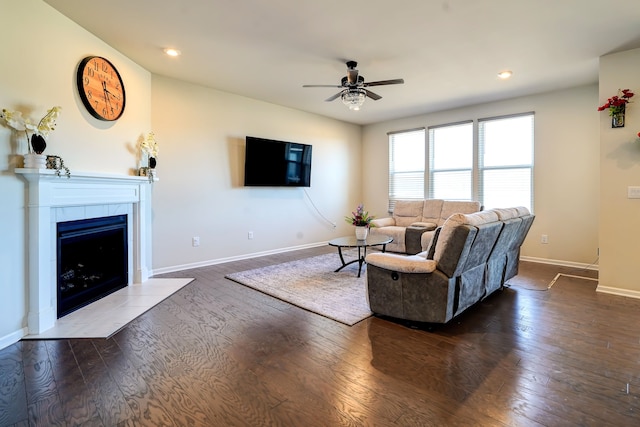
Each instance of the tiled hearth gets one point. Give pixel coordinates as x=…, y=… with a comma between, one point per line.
x=53, y=199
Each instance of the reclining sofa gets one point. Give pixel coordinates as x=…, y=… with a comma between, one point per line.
x=470, y=257
x=414, y=222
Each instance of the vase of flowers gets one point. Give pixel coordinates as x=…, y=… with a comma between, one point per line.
x=35, y=133
x=149, y=149
x=361, y=220
x=617, y=106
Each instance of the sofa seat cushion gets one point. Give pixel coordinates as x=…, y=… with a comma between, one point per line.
x=401, y=263
x=396, y=233
x=428, y=226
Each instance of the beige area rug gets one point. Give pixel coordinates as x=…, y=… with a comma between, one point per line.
x=311, y=284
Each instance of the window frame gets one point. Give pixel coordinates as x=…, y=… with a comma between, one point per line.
x=478, y=167
x=393, y=187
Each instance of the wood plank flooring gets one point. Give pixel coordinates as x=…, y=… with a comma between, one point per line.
x=219, y=354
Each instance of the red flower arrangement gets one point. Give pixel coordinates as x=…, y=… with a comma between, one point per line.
x=615, y=104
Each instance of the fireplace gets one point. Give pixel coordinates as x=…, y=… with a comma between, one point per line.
x=54, y=200
x=91, y=260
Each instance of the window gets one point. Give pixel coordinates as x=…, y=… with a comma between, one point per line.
x=489, y=160
x=505, y=148
x=406, y=165
x=451, y=162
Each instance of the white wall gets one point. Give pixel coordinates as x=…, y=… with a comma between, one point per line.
x=619, y=169
x=201, y=135
x=40, y=55
x=566, y=178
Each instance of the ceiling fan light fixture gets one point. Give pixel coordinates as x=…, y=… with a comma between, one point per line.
x=505, y=74
x=354, y=98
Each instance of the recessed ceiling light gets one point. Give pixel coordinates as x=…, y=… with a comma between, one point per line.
x=172, y=52
x=505, y=74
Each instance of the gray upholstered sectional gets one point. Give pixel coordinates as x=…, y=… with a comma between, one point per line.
x=470, y=257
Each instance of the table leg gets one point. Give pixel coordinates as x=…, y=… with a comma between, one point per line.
x=341, y=257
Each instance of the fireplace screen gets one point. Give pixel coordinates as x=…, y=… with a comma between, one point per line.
x=92, y=260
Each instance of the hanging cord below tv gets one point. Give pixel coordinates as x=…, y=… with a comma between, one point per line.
x=333, y=224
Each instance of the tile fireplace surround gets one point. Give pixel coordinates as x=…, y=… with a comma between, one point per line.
x=53, y=199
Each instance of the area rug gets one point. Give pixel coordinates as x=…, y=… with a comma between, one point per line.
x=311, y=284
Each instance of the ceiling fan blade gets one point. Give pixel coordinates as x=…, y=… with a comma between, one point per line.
x=385, y=82
x=372, y=95
x=331, y=98
x=338, y=86
x=352, y=76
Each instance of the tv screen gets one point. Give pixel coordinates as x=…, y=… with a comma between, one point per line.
x=271, y=163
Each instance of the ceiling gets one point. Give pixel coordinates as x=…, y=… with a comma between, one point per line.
x=447, y=51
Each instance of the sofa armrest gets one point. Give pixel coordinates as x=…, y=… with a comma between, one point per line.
x=383, y=222
x=401, y=263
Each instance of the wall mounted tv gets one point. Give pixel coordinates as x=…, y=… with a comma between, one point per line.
x=271, y=163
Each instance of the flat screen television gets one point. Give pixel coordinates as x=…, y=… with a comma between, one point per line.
x=271, y=163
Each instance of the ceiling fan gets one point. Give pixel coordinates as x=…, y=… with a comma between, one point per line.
x=354, y=90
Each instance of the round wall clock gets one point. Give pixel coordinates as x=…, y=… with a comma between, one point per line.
x=101, y=88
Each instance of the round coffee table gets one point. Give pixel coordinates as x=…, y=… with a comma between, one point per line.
x=362, y=245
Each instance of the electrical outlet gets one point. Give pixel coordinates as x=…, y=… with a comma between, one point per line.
x=250, y=235
x=544, y=239
x=195, y=241
x=633, y=192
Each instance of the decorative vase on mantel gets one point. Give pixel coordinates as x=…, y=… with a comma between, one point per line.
x=35, y=161
x=617, y=118
x=362, y=232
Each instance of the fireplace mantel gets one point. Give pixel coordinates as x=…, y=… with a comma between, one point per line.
x=52, y=199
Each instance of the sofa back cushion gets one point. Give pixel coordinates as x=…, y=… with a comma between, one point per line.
x=446, y=241
x=406, y=212
x=450, y=207
x=431, y=211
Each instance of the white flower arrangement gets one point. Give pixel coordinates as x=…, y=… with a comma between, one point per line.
x=47, y=124
x=149, y=145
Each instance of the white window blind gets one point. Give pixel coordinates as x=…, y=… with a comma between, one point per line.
x=451, y=162
x=406, y=165
x=505, y=147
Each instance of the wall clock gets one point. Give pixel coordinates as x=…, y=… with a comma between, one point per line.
x=101, y=88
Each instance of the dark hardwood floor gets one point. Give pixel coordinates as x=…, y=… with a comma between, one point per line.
x=219, y=354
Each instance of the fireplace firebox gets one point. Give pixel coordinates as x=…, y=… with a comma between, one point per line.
x=92, y=259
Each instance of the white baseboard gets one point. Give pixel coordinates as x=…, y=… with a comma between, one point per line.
x=12, y=338
x=570, y=264
x=208, y=263
x=603, y=289
x=618, y=291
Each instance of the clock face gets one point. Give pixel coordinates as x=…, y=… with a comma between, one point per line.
x=101, y=89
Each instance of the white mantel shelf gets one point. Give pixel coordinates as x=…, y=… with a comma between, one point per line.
x=54, y=198
x=79, y=175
